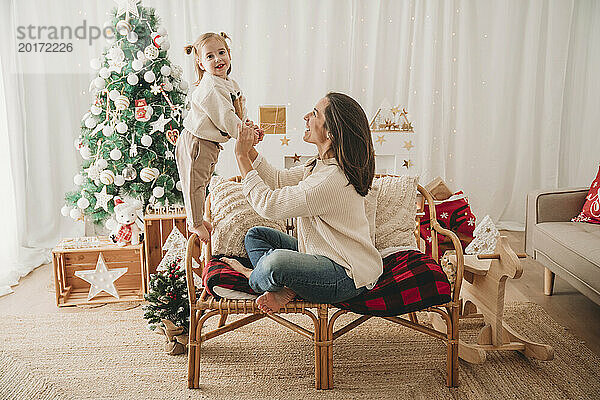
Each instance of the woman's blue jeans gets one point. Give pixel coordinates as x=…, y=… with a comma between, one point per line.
x=277, y=263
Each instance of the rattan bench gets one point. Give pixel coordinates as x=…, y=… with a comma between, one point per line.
x=323, y=335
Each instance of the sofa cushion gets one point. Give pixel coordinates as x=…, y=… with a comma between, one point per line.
x=591, y=209
x=573, y=246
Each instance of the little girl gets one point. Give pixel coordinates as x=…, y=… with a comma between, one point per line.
x=217, y=111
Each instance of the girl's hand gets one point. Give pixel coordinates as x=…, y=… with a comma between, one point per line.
x=245, y=141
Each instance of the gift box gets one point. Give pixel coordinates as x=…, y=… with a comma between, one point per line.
x=81, y=267
x=454, y=214
x=272, y=119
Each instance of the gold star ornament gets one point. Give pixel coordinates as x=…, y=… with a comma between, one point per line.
x=408, y=145
x=285, y=141
x=407, y=163
x=380, y=139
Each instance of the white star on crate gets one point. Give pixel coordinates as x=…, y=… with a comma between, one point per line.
x=101, y=279
x=102, y=199
x=127, y=6
x=159, y=124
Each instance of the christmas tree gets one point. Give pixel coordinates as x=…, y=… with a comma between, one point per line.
x=167, y=297
x=128, y=136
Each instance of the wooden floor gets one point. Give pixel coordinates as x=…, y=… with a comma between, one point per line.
x=566, y=306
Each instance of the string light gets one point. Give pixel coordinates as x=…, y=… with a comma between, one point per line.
x=485, y=35
x=284, y=26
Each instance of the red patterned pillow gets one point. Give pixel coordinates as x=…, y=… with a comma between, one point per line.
x=591, y=209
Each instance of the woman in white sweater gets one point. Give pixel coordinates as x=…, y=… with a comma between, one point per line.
x=334, y=258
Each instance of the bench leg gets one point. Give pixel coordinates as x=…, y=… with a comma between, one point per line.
x=548, y=282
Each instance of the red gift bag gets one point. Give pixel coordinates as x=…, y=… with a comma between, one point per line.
x=454, y=214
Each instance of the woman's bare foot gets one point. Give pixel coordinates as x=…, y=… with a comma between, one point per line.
x=270, y=302
x=237, y=266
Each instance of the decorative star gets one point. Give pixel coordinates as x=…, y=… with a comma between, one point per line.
x=102, y=199
x=285, y=141
x=101, y=279
x=380, y=139
x=408, y=145
x=129, y=6
x=407, y=163
x=471, y=222
x=159, y=124
x=116, y=65
x=296, y=158
x=155, y=89
x=444, y=215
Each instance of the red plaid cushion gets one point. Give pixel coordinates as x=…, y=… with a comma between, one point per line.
x=411, y=281
x=220, y=274
x=455, y=215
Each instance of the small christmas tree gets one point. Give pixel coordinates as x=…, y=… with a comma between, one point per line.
x=128, y=136
x=168, y=298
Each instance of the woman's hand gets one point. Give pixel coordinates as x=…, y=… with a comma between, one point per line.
x=245, y=141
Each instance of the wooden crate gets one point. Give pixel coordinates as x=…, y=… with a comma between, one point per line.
x=72, y=290
x=158, y=224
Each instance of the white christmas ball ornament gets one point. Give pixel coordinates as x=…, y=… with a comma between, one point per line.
x=137, y=65
x=104, y=73
x=121, y=127
x=132, y=37
x=149, y=174
x=176, y=71
x=95, y=63
x=101, y=163
x=75, y=213
x=99, y=83
x=113, y=94
x=168, y=86
x=151, y=52
x=149, y=76
x=162, y=31
x=83, y=203
x=90, y=123
x=78, y=179
x=119, y=180
x=141, y=56
x=108, y=130
x=146, y=140
x=65, y=210
x=77, y=144
x=124, y=27
x=183, y=85
x=132, y=78
x=165, y=70
x=115, y=154
x=111, y=224
x=165, y=45
x=85, y=152
x=178, y=185
x=95, y=110
x=121, y=102
x=107, y=177
x=158, y=192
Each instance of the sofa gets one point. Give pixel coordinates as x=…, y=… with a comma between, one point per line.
x=569, y=249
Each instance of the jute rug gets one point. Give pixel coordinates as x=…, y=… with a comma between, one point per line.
x=107, y=353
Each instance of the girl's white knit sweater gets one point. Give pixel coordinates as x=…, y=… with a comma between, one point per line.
x=212, y=115
x=332, y=220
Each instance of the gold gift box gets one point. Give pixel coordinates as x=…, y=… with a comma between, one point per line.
x=272, y=119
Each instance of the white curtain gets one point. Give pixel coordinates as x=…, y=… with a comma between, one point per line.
x=502, y=94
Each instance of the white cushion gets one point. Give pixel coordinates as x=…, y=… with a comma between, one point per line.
x=396, y=211
x=232, y=216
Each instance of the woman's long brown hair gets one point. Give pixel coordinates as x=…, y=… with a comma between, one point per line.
x=351, y=140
